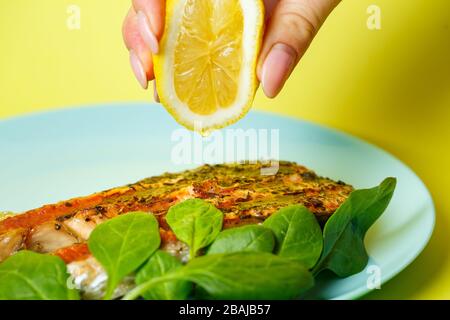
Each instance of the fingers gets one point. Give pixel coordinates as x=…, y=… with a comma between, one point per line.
x=154, y=10
x=292, y=24
x=269, y=6
x=150, y=18
x=142, y=29
x=291, y=28
x=140, y=56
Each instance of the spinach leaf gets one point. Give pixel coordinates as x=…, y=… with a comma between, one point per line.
x=248, y=275
x=245, y=238
x=344, y=252
x=298, y=234
x=28, y=275
x=195, y=222
x=124, y=243
x=240, y=275
x=158, y=265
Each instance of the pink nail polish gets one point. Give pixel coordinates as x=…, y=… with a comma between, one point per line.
x=146, y=32
x=155, y=93
x=138, y=69
x=277, y=68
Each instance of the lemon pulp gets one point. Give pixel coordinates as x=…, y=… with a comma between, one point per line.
x=208, y=55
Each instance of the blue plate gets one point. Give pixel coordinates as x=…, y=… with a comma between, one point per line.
x=54, y=156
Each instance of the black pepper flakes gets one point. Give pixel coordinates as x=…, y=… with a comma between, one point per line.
x=64, y=217
x=100, y=209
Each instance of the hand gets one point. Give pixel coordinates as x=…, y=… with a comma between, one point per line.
x=290, y=27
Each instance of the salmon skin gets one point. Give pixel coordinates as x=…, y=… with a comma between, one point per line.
x=238, y=190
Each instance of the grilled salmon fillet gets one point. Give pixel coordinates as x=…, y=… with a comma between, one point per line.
x=238, y=190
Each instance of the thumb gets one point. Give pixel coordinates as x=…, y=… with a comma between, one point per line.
x=291, y=28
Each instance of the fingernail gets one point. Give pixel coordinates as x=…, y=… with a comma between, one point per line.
x=276, y=68
x=155, y=93
x=146, y=32
x=138, y=69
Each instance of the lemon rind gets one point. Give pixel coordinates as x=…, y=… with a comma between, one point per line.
x=160, y=60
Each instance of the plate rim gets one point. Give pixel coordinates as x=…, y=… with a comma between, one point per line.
x=430, y=213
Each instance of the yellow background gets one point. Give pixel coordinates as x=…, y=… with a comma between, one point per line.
x=388, y=86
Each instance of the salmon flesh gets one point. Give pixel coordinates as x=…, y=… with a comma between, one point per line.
x=238, y=190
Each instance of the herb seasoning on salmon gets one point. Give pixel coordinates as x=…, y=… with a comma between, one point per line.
x=238, y=190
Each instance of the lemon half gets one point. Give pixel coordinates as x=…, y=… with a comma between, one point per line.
x=206, y=67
